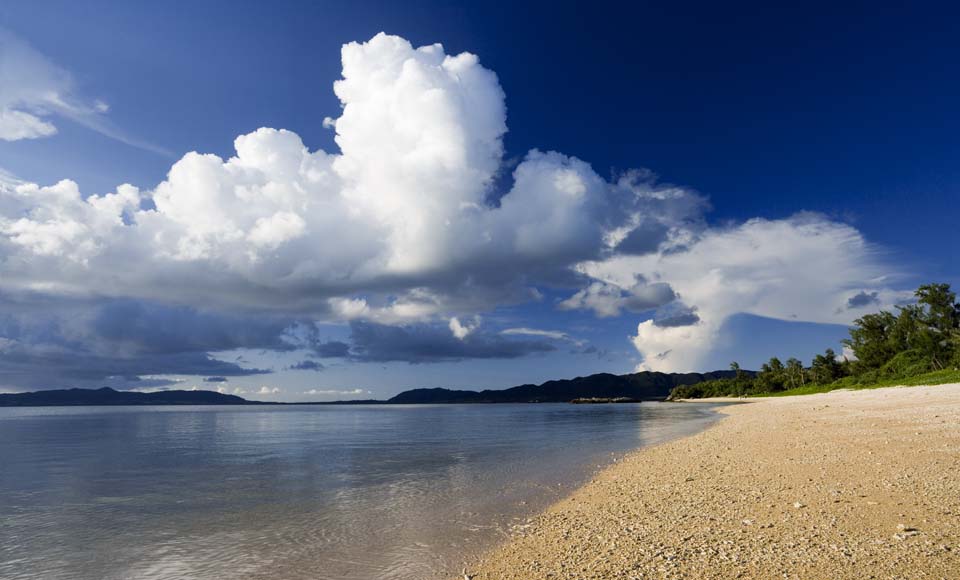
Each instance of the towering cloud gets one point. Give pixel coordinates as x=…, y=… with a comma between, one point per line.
x=397, y=229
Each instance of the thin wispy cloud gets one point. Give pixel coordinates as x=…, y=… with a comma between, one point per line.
x=8, y=180
x=524, y=331
x=36, y=93
x=336, y=392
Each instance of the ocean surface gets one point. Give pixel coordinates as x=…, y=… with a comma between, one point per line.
x=347, y=492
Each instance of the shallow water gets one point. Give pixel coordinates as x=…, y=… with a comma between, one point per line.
x=347, y=492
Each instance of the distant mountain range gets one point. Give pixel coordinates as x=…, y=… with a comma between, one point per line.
x=645, y=386
x=108, y=396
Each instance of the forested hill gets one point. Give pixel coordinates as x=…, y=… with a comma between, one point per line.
x=647, y=386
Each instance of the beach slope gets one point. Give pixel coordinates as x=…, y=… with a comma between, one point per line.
x=862, y=484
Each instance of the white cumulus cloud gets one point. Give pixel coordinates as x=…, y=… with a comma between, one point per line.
x=463, y=330
x=394, y=227
x=403, y=224
x=803, y=268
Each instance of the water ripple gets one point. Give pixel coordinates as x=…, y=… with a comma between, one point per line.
x=345, y=493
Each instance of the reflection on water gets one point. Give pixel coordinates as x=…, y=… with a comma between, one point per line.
x=355, y=492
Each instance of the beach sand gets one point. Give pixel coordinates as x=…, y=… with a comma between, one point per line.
x=862, y=484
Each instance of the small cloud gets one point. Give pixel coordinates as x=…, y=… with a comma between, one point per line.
x=332, y=349
x=264, y=390
x=524, y=331
x=462, y=331
x=307, y=365
x=160, y=389
x=335, y=392
x=846, y=353
x=600, y=353
x=862, y=300
x=675, y=315
x=215, y=380
x=18, y=125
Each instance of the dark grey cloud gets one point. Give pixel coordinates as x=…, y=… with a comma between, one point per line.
x=686, y=319
x=644, y=239
x=307, y=365
x=35, y=368
x=128, y=344
x=600, y=353
x=117, y=343
x=610, y=300
x=676, y=314
x=643, y=297
x=432, y=343
x=862, y=300
x=154, y=328
x=331, y=349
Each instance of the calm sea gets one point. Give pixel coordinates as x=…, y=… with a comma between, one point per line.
x=359, y=492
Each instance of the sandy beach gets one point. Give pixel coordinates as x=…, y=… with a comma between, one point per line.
x=862, y=484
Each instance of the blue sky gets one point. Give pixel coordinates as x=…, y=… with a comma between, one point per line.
x=803, y=156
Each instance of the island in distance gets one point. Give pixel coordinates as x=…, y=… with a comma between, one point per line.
x=643, y=386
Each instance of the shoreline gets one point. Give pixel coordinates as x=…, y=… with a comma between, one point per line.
x=846, y=484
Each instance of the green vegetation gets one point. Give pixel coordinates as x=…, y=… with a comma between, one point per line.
x=919, y=345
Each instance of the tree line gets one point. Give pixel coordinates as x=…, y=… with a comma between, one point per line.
x=917, y=339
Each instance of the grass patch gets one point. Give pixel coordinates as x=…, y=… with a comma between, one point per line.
x=932, y=378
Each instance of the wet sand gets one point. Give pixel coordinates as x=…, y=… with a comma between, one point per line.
x=862, y=484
